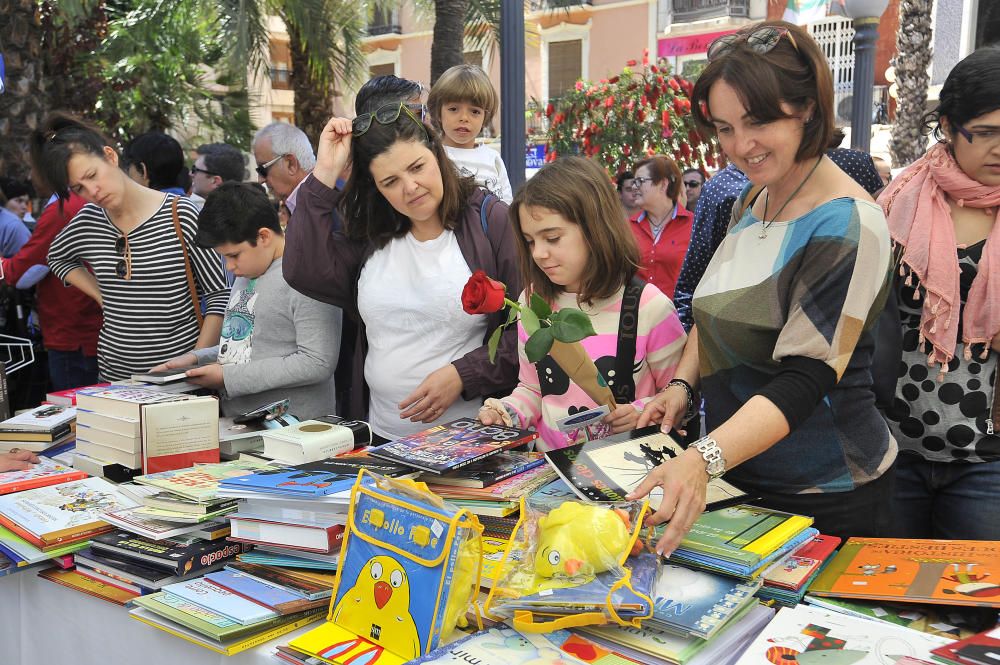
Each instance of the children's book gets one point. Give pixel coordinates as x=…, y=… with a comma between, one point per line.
x=174, y=557
x=806, y=634
x=293, y=480
x=201, y=482
x=285, y=578
x=74, y=580
x=794, y=570
x=132, y=520
x=491, y=470
x=52, y=516
x=498, y=646
x=608, y=469
x=25, y=554
x=941, y=620
x=953, y=572
x=146, y=576
x=221, y=601
x=46, y=472
x=452, y=445
x=273, y=596
x=981, y=649
x=696, y=602
x=351, y=463
x=743, y=534
x=510, y=489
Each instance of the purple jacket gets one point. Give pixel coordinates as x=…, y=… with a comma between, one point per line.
x=323, y=264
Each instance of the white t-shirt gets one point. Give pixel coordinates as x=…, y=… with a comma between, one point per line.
x=486, y=166
x=410, y=298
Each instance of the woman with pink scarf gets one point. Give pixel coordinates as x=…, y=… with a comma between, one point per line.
x=942, y=213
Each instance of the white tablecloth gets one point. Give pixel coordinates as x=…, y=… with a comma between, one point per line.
x=42, y=623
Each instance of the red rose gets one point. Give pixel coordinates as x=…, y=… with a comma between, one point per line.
x=549, y=110
x=482, y=295
x=631, y=63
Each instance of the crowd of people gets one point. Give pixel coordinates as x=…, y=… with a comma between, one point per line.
x=838, y=351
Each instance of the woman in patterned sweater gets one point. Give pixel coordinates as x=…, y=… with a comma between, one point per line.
x=781, y=345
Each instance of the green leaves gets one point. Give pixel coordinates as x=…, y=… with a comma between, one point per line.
x=494, y=342
x=530, y=321
x=538, y=344
x=571, y=325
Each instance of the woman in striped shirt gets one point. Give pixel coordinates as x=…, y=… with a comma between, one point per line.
x=122, y=250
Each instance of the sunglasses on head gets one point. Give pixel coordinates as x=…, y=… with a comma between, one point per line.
x=386, y=115
x=124, y=266
x=760, y=41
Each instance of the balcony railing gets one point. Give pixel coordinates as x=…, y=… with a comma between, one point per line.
x=385, y=23
x=685, y=11
x=542, y=5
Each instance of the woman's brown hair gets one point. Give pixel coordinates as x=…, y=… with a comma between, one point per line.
x=794, y=72
x=54, y=143
x=663, y=168
x=580, y=191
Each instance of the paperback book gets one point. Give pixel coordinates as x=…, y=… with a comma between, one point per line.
x=452, y=445
x=221, y=601
x=47, y=420
x=291, y=580
x=696, y=602
x=173, y=557
x=953, y=572
x=46, y=472
x=68, y=397
x=25, y=554
x=743, y=534
x=52, y=516
x=270, y=595
x=76, y=581
x=132, y=520
x=492, y=470
x=608, y=469
x=981, y=649
x=498, y=646
x=794, y=570
x=177, y=435
x=201, y=482
x=293, y=481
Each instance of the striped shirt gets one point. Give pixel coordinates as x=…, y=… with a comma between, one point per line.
x=149, y=318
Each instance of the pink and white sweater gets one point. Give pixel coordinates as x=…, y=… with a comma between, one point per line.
x=659, y=343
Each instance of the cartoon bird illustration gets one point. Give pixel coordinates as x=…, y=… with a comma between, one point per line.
x=377, y=607
x=577, y=539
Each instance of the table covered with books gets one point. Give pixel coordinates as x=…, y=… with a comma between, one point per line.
x=311, y=548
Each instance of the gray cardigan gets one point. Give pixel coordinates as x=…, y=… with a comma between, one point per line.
x=295, y=344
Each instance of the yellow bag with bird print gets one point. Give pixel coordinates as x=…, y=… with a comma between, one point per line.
x=407, y=575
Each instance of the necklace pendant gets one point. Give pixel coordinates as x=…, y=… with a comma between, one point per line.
x=763, y=232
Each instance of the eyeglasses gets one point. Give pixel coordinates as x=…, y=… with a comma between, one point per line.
x=386, y=115
x=124, y=266
x=262, y=169
x=195, y=169
x=760, y=41
x=691, y=184
x=984, y=138
x=639, y=181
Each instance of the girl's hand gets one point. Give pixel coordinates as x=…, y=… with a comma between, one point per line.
x=17, y=460
x=433, y=396
x=187, y=360
x=488, y=416
x=684, y=482
x=623, y=419
x=333, y=151
x=667, y=408
x=207, y=376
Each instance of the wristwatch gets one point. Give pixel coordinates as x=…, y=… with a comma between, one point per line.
x=715, y=463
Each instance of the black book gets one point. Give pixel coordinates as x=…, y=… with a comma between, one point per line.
x=168, y=555
x=143, y=575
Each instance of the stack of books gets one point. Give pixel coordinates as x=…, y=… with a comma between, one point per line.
x=696, y=603
x=786, y=580
x=500, y=499
x=68, y=397
x=44, y=428
x=123, y=431
x=742, y=540
x=980, y=649
x=46, y=472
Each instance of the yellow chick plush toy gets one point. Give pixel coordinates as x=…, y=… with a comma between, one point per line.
x=378, y=607
x=578, y=539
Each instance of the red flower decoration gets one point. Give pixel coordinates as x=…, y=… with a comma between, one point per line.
x=549, y=110
x=482, y=295
x=609, y=102
x=665, y=118
x=631, y=63
x=674, y=85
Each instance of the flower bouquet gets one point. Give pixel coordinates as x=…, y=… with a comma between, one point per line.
x=557, y=334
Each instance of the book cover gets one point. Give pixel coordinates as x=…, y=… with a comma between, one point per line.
x=307, y=588
x=312, y=440
x=178, y=504
x=940, y=620
x=324, y=539
x=491, y=470
x=743, y=534
x=68, y=397
x=696, y=602
x=953, y=572
x=46, y=472
x=350, y=464
x=980, y=649
x=293, y=481
x=452, y=445
x=201, y=482
x=335, y=644
x=176, y=435
x=173, y=557
x=498, y=646
x=26, y=554
x=166, y=515
x=269, y=595
x=121, y=401
x=45, y=418
x=792, y=571
x=610, y=468
x=88, y=585
x=512, y=488
x=131, y=520
x=147, y=576
x=49, y=516
x=127, y=427
x=807, y=634
x=221, y=601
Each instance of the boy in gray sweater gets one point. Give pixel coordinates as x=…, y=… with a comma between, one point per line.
x=276, y=343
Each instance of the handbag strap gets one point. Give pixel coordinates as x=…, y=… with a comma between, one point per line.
x=187, y=263
x=628, y=328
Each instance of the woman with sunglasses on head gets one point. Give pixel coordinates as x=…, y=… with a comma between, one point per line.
x=781, y=347
x=131, y=249
x=943, y=212
x=415, y=232
x=662, y=228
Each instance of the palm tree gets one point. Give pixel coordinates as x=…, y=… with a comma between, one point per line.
x=912, y=61
x=447, y=49
x=22, y=103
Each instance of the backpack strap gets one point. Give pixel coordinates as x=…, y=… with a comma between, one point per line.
x=483, y=211
x=623, y=387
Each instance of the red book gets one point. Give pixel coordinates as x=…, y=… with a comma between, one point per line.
x=46, y=472
x=319, y=539
x=980, y=649
x=68, y=397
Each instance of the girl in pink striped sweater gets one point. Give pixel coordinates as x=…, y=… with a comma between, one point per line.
x=576, y=251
